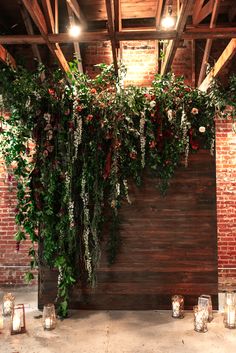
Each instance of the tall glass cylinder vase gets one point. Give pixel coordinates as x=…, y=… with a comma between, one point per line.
x=177, y=306
x=230, y=310
x=49, y=317
x=200, y=319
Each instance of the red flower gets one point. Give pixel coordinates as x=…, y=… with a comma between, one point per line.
x=89, y=117
x=148, y=96
x=117, y=144
x=152, y=144
x=79, y=108
x=93, y=91
x=71, y=125
x=51, y=92
x=133, y=155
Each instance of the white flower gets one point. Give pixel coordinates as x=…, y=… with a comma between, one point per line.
x=170, y=114
x=152, y=104
x=202, y=129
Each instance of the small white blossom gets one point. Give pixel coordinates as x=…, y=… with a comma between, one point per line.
x=47, y=117
x=152, y=104
x=202, y=129
x=170, y=115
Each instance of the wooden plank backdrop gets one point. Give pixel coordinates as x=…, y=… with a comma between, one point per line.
x=169, y=246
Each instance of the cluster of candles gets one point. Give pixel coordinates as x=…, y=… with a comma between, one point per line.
x=203, y=310
x=16, y=312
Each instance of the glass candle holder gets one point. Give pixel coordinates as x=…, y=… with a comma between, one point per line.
x=205, y=302
x=18, y=319
x=8, y=304
x=177, y=306
x=200, y=319
x=230, y=316
x=1, y=320
x=229, y=310
x=49, y=317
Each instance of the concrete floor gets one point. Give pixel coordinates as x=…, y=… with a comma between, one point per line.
x=115, y=332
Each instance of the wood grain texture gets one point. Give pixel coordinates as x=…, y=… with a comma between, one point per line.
x=169, y=246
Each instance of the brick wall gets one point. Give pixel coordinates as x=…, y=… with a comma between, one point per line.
x=140, y=59
x=226, y=202
x=13, y=263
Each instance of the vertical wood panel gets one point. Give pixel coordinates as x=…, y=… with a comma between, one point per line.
x=169, y=246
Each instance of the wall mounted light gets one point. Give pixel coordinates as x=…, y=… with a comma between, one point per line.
x=74, y=31
x=168, y=21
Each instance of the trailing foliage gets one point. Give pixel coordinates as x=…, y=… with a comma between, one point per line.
x=73, y=148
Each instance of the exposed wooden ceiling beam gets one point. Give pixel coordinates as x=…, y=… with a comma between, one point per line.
x=158, y=21
x=158, y=12
x=86, y=37
x=196, y=9
x=35, y=12
x=56, y=16
x=6, y=57
x=49, y=15
x=76, y=43
x=223, y=60
x=173, y=44
x=208, y=43
x=77, y=11
x=204, y=12
x=30, y=30
x=111, y=30
x=117, y=15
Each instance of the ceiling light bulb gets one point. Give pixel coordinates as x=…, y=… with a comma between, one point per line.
x=74, y=31
x=168, y=22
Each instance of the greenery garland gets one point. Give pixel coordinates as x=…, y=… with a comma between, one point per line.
x=74, y=147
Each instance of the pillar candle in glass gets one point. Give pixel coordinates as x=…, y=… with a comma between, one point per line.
x=230, y=310
x=49, y=317
x=177, y=306
x=18, y=319
x=205, y=301
x=8, y=304
x=1, y=320
x=200, y=318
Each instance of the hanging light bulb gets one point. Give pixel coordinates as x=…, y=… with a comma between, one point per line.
x=168, y=21
x=74, y=31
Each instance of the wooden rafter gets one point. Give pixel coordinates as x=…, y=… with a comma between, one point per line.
x=189, y=33
x=30, y=30
x=208, y=42
x=6, y=57
x=196, y=9
x=173, y=44
x=158, y=12
x=49, y=15
x=35, y=12
x=204, y=12
x=77, y=11
x=117, y=15
x=118, y=26
x=223, y=60
x=76, y=43
x=111, y=30
x=158, y=21
x=56, y=16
